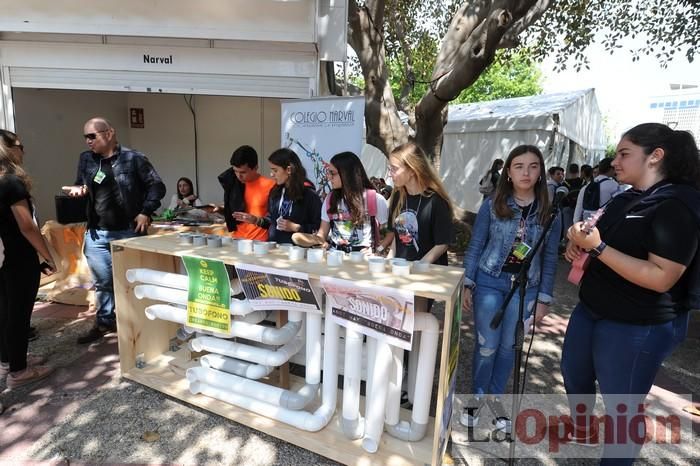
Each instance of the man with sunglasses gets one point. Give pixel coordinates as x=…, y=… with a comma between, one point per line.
x=123, y=191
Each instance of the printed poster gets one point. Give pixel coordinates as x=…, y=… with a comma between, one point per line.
x=317, y=129
x=208, y=294
x=376, y=311
x=270, y=289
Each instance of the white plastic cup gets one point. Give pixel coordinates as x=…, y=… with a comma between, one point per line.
x=271, y=245
x=260, y=248
x=421, y=266
x=335, y=258
x=245, y=246
x=357, y=256
x=199, y=240
x=401, y=268
x=314, y=256
x=214, y=241
x=185, y=238
x=285, y=248
x=226, y=241
x=376, y=264
x=296, y=253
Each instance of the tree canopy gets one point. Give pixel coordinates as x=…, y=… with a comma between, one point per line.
x=391, y=36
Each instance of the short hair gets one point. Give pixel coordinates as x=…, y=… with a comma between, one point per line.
x=605, y=165
x=244, y=155
x=553, y=170
x=573, y=168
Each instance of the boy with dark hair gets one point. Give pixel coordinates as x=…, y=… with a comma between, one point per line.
x=245, y=195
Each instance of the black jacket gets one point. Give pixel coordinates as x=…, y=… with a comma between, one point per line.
x=233, y=197
x=140, y=186
x=305, y=211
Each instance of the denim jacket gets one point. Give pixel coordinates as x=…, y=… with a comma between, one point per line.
x=492, y=240
x=140, y=186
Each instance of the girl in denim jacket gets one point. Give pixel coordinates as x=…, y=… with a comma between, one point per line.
x=507, y=226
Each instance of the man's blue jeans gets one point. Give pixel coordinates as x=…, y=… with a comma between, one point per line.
x=493, y=348
x=623, y=358
x=99, y=258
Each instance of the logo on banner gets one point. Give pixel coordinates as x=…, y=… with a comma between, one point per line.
x=270, y=289
x=323, y=118
x=208, y=294
x=379, y=312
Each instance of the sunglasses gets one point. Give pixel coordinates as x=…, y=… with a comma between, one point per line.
x=331, y=173
x=93, y=136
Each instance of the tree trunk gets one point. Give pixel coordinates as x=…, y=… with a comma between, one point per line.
x=366, y=37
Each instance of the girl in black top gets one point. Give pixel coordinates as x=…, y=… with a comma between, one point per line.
x=20, y=271
x=642, y=279
x=420, y=211
x=293, y=205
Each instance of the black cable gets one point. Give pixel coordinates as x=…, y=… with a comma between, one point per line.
x=196, y=145
x=529, y=348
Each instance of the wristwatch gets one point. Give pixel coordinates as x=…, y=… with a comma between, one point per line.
x=380, y=248
x=598, y=250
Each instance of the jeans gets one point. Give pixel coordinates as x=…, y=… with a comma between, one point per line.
x=493, y=355
x=99, y=258
x=623, y=358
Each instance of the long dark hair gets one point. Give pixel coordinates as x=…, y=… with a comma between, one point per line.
x=355, y=182
x=9, y=167
x=504, y=190
x=495, y=166
x=189, y=182
x=681, y=161
x=294, y=186
x=9, y=138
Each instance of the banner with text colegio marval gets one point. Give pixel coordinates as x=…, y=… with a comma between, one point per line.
x=376, y=311
x=208, y=295
x=270, y=289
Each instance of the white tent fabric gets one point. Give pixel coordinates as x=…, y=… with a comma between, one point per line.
x=567, y=127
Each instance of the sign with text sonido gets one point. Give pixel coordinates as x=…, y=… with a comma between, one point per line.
x=270, y=289
x=376, y=311
x=208, y=295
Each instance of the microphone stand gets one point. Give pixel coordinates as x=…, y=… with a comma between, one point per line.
x=520, y=283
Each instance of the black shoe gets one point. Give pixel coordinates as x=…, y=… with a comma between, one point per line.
x=95, y=333
x=33, y=334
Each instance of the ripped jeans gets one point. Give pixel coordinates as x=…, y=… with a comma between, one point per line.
x=492, y=361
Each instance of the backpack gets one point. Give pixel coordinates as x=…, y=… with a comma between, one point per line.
x=591, y=196
x=486, y=186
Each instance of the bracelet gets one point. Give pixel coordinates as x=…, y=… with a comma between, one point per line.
x=598, y=250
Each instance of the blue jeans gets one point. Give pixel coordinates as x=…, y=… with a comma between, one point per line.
x=623, y=358
x=493, y=348
x=99, y=258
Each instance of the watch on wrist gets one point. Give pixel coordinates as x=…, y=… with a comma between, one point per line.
x=380, y=248
x=598, y=250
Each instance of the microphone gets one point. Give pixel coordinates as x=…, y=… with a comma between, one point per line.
x=559, y=196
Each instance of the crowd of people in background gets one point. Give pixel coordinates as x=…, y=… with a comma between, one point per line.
x=643, y=278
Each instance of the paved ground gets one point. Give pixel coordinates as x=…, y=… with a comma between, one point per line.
x=85, y=414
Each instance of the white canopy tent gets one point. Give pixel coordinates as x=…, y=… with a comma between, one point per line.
x=567, y=127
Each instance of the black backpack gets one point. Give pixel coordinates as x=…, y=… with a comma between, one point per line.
x=591, y=196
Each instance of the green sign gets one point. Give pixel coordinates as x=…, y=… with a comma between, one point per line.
x=209, y=295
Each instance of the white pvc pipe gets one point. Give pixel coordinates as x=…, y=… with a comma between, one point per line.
x=173, y=296
x=393, y=396
x=352, y=422
x=155, y=277
x=236, y=366
x=171, y=280
x=375, y=403
x=239, y=328
x=371, y=358
x=428, y=326
x=313, y=349
x=300, y=419
x=266, y=357
x=254, y=389
x=413, y=365
x=254, y=317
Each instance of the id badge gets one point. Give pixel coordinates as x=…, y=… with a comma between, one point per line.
x=521, y=250
x=99, y=177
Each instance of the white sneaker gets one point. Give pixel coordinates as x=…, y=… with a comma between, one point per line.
x=470, y=413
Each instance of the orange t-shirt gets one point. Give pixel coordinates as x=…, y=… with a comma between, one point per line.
x=255, y=195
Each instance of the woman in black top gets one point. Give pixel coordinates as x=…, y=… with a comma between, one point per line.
x=293, y=205
x=420, y=211
x=20, y=271
x=642, y=280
